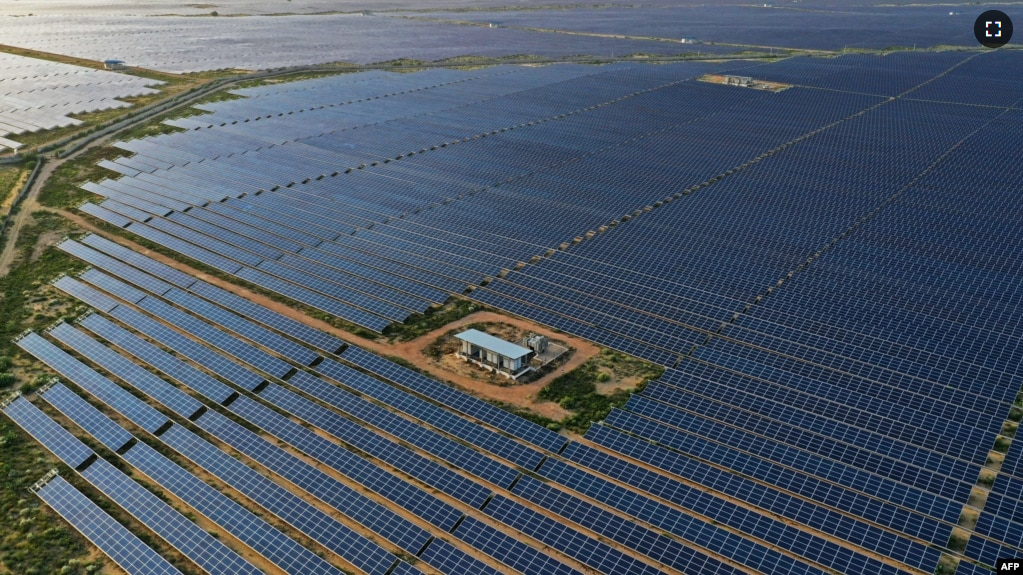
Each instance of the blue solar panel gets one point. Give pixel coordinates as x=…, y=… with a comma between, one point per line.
x=185, y=536
x=85, y=293
x=47, y=432
x=242, y=327
x=419, y=502
x=314, y=523
x=655, y=545
x=345, y=499
x=229, y=515
x=742, y=519
x=111, y=285
x=510, y=551
x=139, y=412
x=107, y=263
x=161, y=271
x=454, y=399
x=216, y=338
x=198, y=353
x=113, y=436
x=286, y=325
x=449, y=559
x=148, y=383
x=600, y=556
x=148, y=353
x=443, y=448
x=424, y=411
x=768, y=498
x=105, y=214
x=124, y=548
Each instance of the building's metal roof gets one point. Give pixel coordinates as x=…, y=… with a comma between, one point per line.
x=495, y=344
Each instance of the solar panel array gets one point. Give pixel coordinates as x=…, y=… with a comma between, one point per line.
x=616, y=521
x=121, y=545
x=821, y=26
x=361, y=243
x=835, y=309
x=185, y=44
x=42, y=95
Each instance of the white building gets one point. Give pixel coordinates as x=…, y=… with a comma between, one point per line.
x=494, y=353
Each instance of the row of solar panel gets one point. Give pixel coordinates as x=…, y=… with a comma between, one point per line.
x=829, y=558
x=632, y=203
x=257, y=487
x=280, y=397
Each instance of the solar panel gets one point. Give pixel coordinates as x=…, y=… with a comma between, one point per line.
x=107, y=263
x=600, y=556
x=53, y=437
x=85, y=294
x=422, y=410
x=298, y=330
x=229, y=515
x=769, y=498
x=113, y=436
x=112, y=286
x=306, y=518
x=104, y=214
x=191, y=540
x=428, y=441
x=347, y=500
x=161, y=271
x=198, y=353
x=417, y=501
x=139, y=412
x=699, y=502
x=509, y=550
x=412, y=463
x=112, y=538
x=164, y=362
x=455, y=399
x=238, y=325
x=216, y=338
x=145, y=381
x=449, y=559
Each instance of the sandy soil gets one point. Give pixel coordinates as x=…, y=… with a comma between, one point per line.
x=609, y=387
x=45, y=240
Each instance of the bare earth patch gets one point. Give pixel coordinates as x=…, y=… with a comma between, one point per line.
x=45, y=240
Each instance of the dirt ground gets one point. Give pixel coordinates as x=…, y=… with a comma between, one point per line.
x=519, y=395
x=45, y=240
x=757, y=84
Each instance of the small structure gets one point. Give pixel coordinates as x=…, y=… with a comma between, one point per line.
x=537, y=343
x=494, y=354
x=739, y=81
x=113, y=64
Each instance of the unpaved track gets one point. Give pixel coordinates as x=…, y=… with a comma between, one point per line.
x=28, y=205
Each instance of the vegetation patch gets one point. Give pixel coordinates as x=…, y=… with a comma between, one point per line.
x=10, y=177
x=419, y=324
x=62, y=190
x=24, y=301
x=591, y=390
x=30, y=540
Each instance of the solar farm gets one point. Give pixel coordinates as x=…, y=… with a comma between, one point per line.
x=777, y=249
